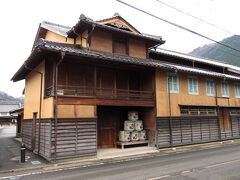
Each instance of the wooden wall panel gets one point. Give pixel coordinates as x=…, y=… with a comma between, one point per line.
x=137, y=49
x=45, y=145
x=149, y=120
x=27, y=133
x=51, y=36
x=47, y=108
x=122, y=80
x=120, y=22
x=186, y=130
x=101, y=41
x=75, y=137
x=85, y=111
x=76, y=111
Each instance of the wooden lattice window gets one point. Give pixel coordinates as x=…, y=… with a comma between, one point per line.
x=198, y=111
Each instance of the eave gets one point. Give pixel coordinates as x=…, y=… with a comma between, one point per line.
x=86, y=23
x=45, y=48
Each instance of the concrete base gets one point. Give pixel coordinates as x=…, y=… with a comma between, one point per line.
x=116, y=153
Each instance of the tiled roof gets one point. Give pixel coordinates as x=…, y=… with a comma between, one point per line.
x=2, y=118
x=17, y=110
x=50, y=46
x=86, y=20
x=117, y=15
x=196, y=59
x=57, y=28
x=7, y=108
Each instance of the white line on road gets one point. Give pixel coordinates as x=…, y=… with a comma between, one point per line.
x=184, y=172
x=159, y=177
x=49, y=171
x=223, y=163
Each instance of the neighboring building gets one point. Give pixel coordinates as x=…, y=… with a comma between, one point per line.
x=5, y=116
x=80, y=82
x=18, y=113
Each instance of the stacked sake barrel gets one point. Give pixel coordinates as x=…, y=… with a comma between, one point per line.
x=133, y=129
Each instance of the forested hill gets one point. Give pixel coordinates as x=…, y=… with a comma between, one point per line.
x=6, y=99
x=220, y=53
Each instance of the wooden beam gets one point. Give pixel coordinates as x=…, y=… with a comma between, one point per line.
x=107, y=102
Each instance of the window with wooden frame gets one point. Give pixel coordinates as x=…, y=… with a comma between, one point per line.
x=237, y=90
x=193, y=85
x=235, y=112
x=120, y=46
x=210, y=88
x=173, y=83
x=198, y=111
x=225, y=89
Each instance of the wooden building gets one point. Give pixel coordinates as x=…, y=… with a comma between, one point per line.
x=18, y=113
x=81, y=81
x=6, y=118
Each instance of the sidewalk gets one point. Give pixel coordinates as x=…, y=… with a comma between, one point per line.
x=29, y=168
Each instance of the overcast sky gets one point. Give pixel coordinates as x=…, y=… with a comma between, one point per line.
x=20, y=20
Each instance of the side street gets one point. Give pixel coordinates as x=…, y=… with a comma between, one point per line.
x=10, y=151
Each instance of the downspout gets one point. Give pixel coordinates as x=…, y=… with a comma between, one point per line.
x=216, y=101
x=170, y=112
x=77, y=35
x=153, y=47
x=55, y=102
x=89, y=35
x=40, y=105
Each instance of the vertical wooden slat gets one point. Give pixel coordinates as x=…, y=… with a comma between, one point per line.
x=186, y=130
x=76, y=137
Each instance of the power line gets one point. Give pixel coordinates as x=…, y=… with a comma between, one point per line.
x=199, y=19
x=206, y=22
x=179, y=26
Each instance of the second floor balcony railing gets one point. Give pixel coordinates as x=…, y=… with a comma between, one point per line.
x=95, y=92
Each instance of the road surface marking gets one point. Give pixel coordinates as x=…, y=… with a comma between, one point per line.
x=223, y=163
x=49, y=171
x=184, y=172
x=159, y=177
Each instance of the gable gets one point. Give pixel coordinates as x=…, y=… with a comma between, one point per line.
x=119, y=22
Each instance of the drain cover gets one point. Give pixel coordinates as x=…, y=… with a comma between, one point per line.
x=35, y=162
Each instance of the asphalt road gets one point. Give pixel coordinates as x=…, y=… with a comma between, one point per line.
x=218, y=163
x=8, y=147
x=10, y=150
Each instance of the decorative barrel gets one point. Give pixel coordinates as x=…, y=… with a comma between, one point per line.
x=138, y=125
x=134, y=136
x=132, y=115
x=142, y=135
x=128, y=125
x=124, y=136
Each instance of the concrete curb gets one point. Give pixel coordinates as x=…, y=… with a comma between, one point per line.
x=64, y=165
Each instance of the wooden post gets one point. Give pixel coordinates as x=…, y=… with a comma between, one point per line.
x=34, y=130
x=95, y=81
x=62, y=55
x=115, y=85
